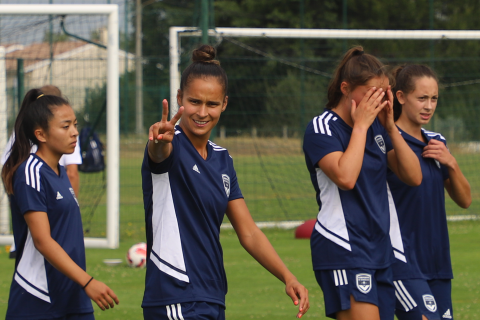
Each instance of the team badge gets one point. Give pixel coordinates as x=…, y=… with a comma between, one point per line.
x=364, y=282
x=429, y=302
x=226, y=184
x=381, y=143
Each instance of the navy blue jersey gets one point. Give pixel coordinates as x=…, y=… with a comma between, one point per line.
x=352, y=229
x=420, y=235
x=38, y=290
x=185, y=199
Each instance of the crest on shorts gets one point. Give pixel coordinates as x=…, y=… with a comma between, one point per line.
x=226, y=184
x=429, y=302
x=381, y=143
x=364, y=282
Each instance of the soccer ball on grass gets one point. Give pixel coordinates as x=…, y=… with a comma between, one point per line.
x=137, y=255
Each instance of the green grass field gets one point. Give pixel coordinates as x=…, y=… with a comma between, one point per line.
x=253, y=292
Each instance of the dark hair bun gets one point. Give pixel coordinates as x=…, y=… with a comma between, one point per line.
x=205, y=54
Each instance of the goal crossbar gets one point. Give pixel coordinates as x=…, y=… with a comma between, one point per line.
x=176, y=33
x=113, y=160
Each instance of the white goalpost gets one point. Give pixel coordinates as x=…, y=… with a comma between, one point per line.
x=113, y=158
x=176, y=33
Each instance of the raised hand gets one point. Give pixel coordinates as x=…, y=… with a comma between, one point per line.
x=386, y=115
x=438, y=150
x=101, y=294
x=367, y=110
x=164, y=130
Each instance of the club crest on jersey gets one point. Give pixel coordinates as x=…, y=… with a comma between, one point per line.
x=429, y=302
x=380, y=143
x=226, y=184
x=364, y=282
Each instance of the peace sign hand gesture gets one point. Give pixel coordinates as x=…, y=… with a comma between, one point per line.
x=162, y=133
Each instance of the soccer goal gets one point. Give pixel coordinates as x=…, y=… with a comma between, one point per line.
x=34, y=51
x=278, y=80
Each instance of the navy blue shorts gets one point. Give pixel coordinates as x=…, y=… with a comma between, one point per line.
x=77, y=316
x=417, y=297
x=365, y=285
x=186, y=311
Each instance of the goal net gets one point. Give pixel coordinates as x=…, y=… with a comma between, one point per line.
x=278, y=81
x=74, y=47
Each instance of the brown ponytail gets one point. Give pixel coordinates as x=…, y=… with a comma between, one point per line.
x=356, y=68
x=35, y=112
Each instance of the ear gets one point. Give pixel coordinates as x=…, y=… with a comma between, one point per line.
x=344, y=88
x=179, y=97
x=40, y=135
x=400, y=97
x=225, y=102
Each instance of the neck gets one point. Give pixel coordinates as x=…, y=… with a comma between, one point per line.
x=344, y=111
x=198, y=142
x=413, y=129
x=50, y=158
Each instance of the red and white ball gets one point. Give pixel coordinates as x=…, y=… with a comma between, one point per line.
x=137, y=255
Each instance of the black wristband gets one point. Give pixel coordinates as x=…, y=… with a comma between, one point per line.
x=87, y=283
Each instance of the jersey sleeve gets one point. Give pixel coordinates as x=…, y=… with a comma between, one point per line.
x=235, y=192
x=165, y=165
x=30, y=191
x=317, y=144
x=444, y=169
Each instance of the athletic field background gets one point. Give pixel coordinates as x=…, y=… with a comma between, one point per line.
x=253, y=292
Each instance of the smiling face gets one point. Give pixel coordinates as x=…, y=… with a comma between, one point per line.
x=61, y=136
x=204, y=101
x=419, y=106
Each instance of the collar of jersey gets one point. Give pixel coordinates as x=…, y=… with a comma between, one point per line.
x=209, y=147
x=47, y=167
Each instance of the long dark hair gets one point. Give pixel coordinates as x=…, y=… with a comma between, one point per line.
x=35, y=112
x=405, y=77
x=204, y=65
x=356, y=68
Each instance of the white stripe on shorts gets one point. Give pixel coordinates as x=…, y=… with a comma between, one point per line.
x=340, y=277
x=403, y=296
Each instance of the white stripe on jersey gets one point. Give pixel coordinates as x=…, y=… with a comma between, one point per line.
x=403, y=296
x=177, y=132
x=433, y=134
x=32, y=172
x=331, y=217
x=216, y=147
x=395, y=234
x=32, y=268
x=315, y=126
x=327, y=127
x=27, y=176
x=320, y=122
x=167, y=243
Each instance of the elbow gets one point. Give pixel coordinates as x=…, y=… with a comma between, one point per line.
x=416, y=181
x=466, y=203
x=346, y=184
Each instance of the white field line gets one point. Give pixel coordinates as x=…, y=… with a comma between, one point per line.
x=294, y=224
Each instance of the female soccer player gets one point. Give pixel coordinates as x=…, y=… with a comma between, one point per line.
x=50, y=281
x=422, y=272
x=189, y=183
x=347, y=150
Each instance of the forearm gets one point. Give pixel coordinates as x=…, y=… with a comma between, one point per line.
x=159, y=151
x=406, y=166
x=260, y=248
x=458, y=187
x=60, y=260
